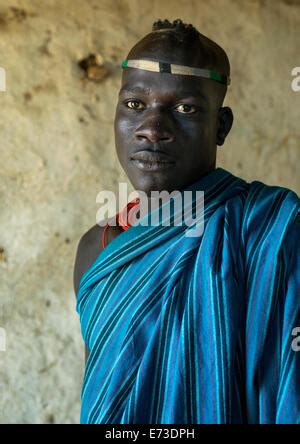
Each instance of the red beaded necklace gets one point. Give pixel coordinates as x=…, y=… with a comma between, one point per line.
x=121, y=218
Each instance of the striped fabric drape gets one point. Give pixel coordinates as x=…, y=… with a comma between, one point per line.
x=191, y=330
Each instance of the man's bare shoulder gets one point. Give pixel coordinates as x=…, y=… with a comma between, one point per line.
x=90, y=237
x=88, y=249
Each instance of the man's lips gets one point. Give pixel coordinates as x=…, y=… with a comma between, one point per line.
x=152, y=156
x=149, y=160
x=152, y=166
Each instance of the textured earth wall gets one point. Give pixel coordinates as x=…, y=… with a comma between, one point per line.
x=57, y=153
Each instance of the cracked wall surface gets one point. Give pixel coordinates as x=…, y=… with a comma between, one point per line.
x=57, y=153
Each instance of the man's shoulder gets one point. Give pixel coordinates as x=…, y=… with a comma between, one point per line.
x=89, y=247
x=269, y=209
x=264, y=196
x=257, y=186
x=90, y=237
x=93, y=236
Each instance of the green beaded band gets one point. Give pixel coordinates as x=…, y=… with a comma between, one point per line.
x=171, y=68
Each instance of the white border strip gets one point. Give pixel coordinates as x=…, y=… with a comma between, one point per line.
x=2, y=80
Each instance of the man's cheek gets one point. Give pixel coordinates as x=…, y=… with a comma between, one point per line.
x=125, y=126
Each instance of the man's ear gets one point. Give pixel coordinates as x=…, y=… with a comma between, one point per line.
x=225, y=120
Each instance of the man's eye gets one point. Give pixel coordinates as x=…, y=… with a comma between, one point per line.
x=186, y=109
x=134, y=104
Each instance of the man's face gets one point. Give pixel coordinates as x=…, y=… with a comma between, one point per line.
x=165, y=114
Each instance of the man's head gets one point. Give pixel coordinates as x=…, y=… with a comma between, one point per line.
x=179, y=117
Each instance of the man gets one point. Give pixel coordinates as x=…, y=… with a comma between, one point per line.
x=189, y=329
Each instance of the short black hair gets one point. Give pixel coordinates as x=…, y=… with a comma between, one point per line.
x=188, y=31
x=187, y=34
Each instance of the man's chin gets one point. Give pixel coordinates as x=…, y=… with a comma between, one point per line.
x=150, y=183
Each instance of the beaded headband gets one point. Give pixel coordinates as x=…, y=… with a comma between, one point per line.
x=171, y=68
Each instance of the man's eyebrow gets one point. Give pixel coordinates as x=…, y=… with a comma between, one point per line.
x=147, y=91
x=135, y=89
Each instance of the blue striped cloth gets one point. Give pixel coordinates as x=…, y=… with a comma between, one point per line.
x=198, y=330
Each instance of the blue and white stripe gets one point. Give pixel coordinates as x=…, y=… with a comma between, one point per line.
x=191, y=330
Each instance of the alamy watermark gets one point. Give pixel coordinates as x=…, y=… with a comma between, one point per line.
x=156, y=209
x=296, y=341
x=2, y=80
x=2, y=339
x=295, y=85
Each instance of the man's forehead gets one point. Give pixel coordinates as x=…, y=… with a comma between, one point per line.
x=141, y=82
x=178, y=92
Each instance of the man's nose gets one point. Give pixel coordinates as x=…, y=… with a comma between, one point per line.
x=155, y=130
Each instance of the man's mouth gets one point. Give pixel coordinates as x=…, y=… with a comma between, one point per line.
x=152, y=166
x=151, y=161
x=152, y=156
